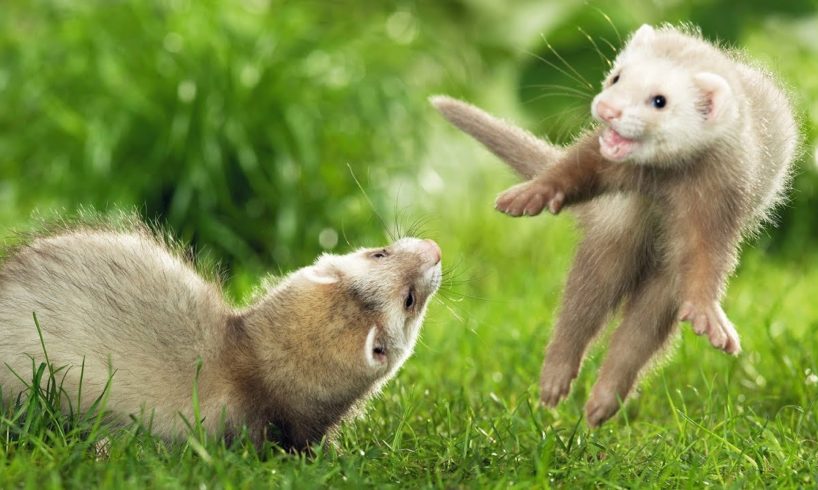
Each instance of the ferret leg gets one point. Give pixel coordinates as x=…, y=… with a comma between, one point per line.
x=579, y=175
x=649, y=319
x=605, y=268
x=705, y=240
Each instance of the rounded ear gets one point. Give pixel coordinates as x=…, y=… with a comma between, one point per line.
x=716, y=95
x=369, y=348
x=643, y=35
x=320, y=273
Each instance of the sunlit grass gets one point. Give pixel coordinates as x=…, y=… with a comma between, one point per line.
x=233, y=124
x=464, y=409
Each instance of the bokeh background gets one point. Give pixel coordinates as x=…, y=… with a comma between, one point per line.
x=242, y=126
x=265, y=132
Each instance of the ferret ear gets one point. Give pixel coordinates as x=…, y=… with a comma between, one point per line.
x=320, y=273
x=373, y=358
x=716, y=95
x=643, y=35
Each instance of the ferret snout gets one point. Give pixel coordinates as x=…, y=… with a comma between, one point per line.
x=607, y=112
x=430, y=251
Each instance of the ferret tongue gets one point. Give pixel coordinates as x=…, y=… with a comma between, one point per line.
x=613, y=145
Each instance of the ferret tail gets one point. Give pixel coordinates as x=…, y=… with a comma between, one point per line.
x=526, y=154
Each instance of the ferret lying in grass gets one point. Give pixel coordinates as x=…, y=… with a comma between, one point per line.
x=290, y=367
x=693, y=149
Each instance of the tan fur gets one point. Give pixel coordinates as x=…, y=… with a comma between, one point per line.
x=664, y=190
x=290, y=367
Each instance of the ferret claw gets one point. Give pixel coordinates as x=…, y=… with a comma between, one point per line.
x=529, y=199
x=711, y=320
x=555, y=383
x=601, y=406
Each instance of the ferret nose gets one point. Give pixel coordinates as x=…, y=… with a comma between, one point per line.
x=607, y=112
x=430, y=248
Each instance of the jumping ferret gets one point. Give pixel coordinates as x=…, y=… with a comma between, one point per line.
x=290, y=367
x=694, y=147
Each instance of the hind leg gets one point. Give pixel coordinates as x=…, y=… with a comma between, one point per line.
x=606, y=268
x=650, y=318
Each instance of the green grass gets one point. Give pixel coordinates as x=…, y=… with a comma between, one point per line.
x=254, y=164
x=463, y=411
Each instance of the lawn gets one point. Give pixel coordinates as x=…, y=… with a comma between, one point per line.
x=464, y=412
x=252, y=147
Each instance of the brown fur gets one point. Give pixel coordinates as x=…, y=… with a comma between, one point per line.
x=662, y=230
x=290, y=367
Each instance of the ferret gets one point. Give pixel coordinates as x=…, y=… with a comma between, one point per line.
x=692, y=149
x=122, y=305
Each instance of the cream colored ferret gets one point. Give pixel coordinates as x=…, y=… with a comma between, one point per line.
x=289, y=367
x=693, y=148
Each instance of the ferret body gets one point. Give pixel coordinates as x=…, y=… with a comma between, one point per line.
x=693, y=149
x=121, y=306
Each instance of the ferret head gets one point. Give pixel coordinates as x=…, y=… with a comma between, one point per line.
x=659, y=104
x=348, y=322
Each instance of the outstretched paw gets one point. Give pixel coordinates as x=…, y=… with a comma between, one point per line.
x=529, y=199
x=709, y=319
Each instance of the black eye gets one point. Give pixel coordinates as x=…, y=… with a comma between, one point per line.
x=659, y=101
x=379, y=254
x=615, y=79
x=410, y=300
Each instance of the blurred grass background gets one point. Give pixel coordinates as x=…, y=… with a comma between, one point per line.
x=242, y=126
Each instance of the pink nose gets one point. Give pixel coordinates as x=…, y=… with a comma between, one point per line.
x=606, y=112
x=432, y=249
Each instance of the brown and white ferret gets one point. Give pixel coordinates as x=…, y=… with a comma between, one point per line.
x=290, y=367
x=693, y=148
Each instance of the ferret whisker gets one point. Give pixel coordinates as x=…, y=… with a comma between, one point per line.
x=369, y=201
x=610, y=44
x=417, y=227
x=569, y=119
x=345, y=237
x=555, y=94
x=452, y=311
x=562, y=88
x=602, y=56
x=396, y=218
x=454, y=271
x=578, y=113
x=568, y=65
x=556, y=67
x=611, y=23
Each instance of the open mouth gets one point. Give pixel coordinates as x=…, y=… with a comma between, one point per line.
x=614, y=146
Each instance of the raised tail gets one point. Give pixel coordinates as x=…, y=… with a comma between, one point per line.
x=522, y=151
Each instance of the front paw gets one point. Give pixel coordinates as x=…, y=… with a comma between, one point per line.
x=710, y=319
x=530, y=198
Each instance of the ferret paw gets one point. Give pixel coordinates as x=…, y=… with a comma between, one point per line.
x=601, y=406
x=529, y=199
x=555, y=382
x=711, y=320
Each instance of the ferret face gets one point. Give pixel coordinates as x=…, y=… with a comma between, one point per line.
x=655, y=108
x=374, y=301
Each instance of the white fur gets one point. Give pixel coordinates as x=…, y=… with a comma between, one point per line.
x=319, y=275
x=694, y=79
